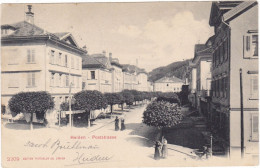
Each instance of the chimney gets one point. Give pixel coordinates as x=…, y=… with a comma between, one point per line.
x=84, y=47
x=30, y=15
x=104, y=52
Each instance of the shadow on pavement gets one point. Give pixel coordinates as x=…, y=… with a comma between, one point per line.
x=147, y=135
x=23, y=126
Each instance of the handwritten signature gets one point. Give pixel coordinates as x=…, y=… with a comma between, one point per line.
x=58, y=145
x=81, y=158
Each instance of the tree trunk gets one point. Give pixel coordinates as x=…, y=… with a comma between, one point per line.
x=111, y=108
x=88, y=115
x=122, y=106
x=31, y=122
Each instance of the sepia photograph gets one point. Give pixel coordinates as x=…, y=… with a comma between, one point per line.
x=129, y=84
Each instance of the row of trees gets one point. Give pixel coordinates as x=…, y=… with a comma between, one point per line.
x=40, y=102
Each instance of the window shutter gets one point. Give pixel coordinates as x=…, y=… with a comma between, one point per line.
x=255, y=134
x=247, y=46
x=28, y=79
x=33, y=56
x=28, y=55
x=49, y=53
x=33, y=79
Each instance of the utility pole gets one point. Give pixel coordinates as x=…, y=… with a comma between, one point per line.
x=241, y=114
x=70, y=105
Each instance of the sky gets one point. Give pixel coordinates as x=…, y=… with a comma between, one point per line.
x=154, y=33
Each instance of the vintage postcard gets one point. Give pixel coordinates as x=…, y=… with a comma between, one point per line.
x=136, y=84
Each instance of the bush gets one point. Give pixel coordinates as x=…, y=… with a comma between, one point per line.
x=162, y=114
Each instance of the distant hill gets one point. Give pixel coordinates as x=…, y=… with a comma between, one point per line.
x=177, y=69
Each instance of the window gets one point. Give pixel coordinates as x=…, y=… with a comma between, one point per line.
x=52, y=57
x=251, y=45
x=60, y=80
x=72, y=81
x=72, y=62
x=92, y=74
x=217, y=56
x=213, y=87
x=254, y=133
x=255, y=44
x=63, y=80
x=214, y=59
x=52, y=79
x=221, y=54
x=67, y=80
x=77, y=82
x=60, y=56
x=31, y=79
x=30, y=56
x=254, y=86
x=226, y=49
x=66, y=61
x=77, y=63
x=12, y=55
x=13, y=80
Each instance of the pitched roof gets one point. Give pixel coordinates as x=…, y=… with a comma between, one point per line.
x=238, y=10
x=132, y=69
x=61, y=34
x=172, y=79
x=90, y=62
x=26, y=29
x=219, y=8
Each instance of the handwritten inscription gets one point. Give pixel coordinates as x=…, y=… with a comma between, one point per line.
x=58, y=145
x=81, y=158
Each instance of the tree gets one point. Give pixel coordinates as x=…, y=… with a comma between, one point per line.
x=162, y=114
x=89, y=100
x=137, y=95
x=169, y=97
x=112, y=99
x=31, y=102
x=128, y=98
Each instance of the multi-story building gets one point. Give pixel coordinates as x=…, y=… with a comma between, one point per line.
x=192, y=84
x=96, y=73
x=202, y=66
x=168, y=84
x=117, y=74
x=235, y=48
x=33, y=59
x=142, y=79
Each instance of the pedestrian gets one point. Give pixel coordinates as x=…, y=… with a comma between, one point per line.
x=164, y=148
x=122, y=124
x=116, y=124
x=157, y=152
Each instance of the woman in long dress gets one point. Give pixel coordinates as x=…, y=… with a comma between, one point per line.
x=116, y=124
x=164, y=148
x=157, y=151
x=122, y=124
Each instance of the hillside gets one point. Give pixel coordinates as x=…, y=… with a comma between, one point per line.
x=177, y=69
